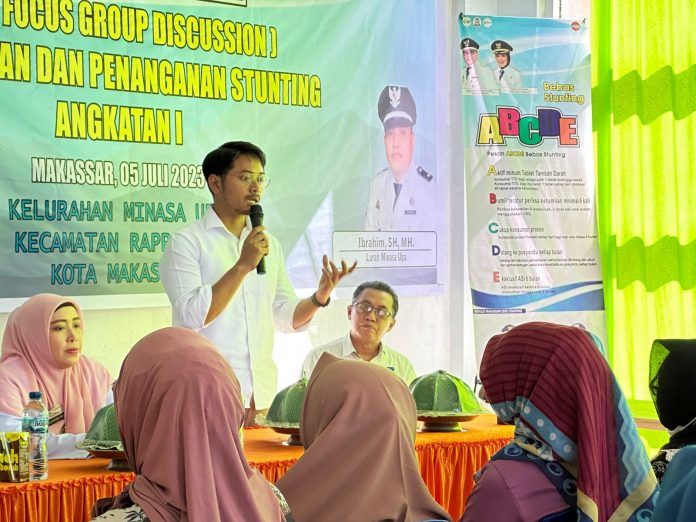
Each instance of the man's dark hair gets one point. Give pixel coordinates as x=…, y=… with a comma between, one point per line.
x=222, y=159
x=382, y=287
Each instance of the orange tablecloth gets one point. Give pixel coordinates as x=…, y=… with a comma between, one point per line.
x=67, y=496
x=447, y=463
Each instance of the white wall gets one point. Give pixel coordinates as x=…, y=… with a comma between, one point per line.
x=109, y=334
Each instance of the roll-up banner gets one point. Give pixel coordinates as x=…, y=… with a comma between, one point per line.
x=531, y=207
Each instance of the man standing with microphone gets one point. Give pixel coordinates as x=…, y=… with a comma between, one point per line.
x=209, y=271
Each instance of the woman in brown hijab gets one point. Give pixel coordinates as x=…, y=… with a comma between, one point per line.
x=358, y=427
x=179, y=411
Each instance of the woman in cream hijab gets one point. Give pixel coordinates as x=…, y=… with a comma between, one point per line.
x=358, y=427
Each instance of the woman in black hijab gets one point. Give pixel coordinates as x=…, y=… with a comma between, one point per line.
x=673, y=390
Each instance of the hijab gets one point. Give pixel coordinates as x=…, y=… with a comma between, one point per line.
x=673, y=388
x=552, y=383
x=26, y=364
x=179, y=409
x=358, y=427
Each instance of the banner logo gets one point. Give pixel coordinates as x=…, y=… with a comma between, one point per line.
x=529, y=130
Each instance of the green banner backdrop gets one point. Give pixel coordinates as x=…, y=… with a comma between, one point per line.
x=109, y=108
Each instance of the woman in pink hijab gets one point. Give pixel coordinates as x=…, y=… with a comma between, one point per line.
x=179, y=410
x=358, y=427
x=42, y=351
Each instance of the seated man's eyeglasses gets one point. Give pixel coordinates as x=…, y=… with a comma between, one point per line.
x=364, y=308
x=262, y=180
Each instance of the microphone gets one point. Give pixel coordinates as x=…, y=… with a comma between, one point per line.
x=256, y=216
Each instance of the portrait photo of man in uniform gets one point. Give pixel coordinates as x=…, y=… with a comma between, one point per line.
x=508, y=77
x=402, y=195
x=476, y=78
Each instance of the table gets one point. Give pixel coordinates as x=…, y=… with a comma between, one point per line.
x=447, y=462
x=68, y=495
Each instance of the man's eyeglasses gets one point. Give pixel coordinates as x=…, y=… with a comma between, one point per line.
x=364, y=308
x=262, y=180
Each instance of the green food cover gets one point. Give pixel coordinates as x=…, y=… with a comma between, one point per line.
x=103, y=434
x=441, y=394
x=287, y=406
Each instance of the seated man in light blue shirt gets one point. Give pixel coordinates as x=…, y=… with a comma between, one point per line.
x=372, y=314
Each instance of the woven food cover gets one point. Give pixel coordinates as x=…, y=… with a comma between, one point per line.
x=103, y=433
x=287, y=406
x=441, y=394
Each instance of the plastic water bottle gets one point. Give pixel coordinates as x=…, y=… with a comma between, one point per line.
x=35, y=422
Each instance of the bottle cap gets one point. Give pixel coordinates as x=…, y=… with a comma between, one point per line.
x=35, y=395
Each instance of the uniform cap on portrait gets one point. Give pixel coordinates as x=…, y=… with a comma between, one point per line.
x=396, y=107
x=468, y=43
x=501, y=46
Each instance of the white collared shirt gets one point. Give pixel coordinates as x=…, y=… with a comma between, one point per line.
x=343, y=347
x=511, y=79
x=479, y=80
x=415, y=207
x=195, y=258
